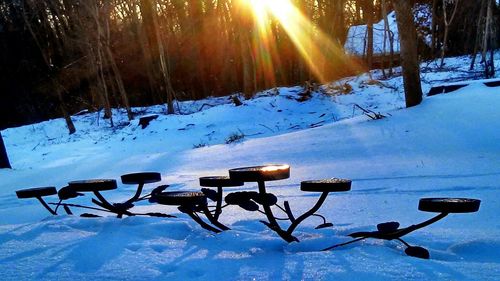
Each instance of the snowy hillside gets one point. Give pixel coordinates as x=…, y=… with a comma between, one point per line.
x=449, y=146
x=356, y=42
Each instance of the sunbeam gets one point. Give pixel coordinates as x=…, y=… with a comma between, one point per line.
x=317, y=49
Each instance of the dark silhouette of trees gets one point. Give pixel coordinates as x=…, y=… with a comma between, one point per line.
x=58, y=57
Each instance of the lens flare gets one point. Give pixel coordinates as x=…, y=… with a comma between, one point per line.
x=318, y=50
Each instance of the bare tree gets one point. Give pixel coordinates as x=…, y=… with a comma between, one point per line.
x=409, y=54
x=434, y=29
x=488, y=42
x=4, y=159
x=447, y=23
x=388, y=34
x=368, y=15
x=479, y=32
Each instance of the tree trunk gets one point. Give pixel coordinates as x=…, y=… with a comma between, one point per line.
x=164, y=68
x=4, y=159
x=477, y=40
x=112, y=62
x=140, y=32
x=198, y=32
x=489, y=68
x=388, y=35
x=447, y=28
x=409, y=54
x=158, y=52
x=64, y=111
x=119, y=83
x=434, y=28
x=368, y=14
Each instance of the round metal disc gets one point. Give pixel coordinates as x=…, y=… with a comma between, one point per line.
x=260, y=173
x=180, y=198
x=449, y=205
x=93, y=185
x=141, y=178
x=326, y=185
x=36, y=192
x=219, y=181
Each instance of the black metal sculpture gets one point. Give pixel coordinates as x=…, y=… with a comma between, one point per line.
x=262, y=174
x=391, y=230
x=195, y=203
x=96, y=186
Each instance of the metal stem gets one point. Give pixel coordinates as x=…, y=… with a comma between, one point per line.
x=83, y=207
x=213, y=219
x=137, y=194
x=343, y=244
x=105, y=204
x=57, y=205
x=202, y=223
x=218, y=208
x=46, y=206
x=399, y=232
x=273, y=224
x=309, y=213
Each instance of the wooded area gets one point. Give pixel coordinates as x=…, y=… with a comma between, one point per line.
x=58, y=57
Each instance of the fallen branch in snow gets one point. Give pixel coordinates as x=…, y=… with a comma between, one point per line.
x=266, y=127
x=318, y=124
x=252, y=135
x=203, y=105
x=35, y=147
x=372, y=114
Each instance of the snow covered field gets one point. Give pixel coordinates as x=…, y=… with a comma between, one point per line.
x=447, y=147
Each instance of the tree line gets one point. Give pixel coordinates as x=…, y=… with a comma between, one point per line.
x=58, y=57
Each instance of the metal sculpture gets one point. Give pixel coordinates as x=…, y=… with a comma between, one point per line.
x=391, y=230
x=195, y=203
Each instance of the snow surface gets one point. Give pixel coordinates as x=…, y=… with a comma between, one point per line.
x=449, y=146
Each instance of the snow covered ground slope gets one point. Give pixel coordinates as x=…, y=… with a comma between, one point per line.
x=448, y=146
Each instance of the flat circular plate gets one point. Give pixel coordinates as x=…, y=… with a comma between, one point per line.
x=449, y=205
x=36, y=192
x=92, y=185
x=180, y=198
x=326, y=185
x=260, y=173
x=141, y=178
x=219, y=181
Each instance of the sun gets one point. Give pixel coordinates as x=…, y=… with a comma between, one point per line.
x=317, y=49
x=259, y=9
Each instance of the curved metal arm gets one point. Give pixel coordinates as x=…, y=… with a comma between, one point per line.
x=398, y=232
x=309, y=213
x=218, y=207
x=414, y=227
x=213, y=218
x=104, y=202
x=273, y=224
x=46, y=206
x=202, y=223
x=137, y=194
